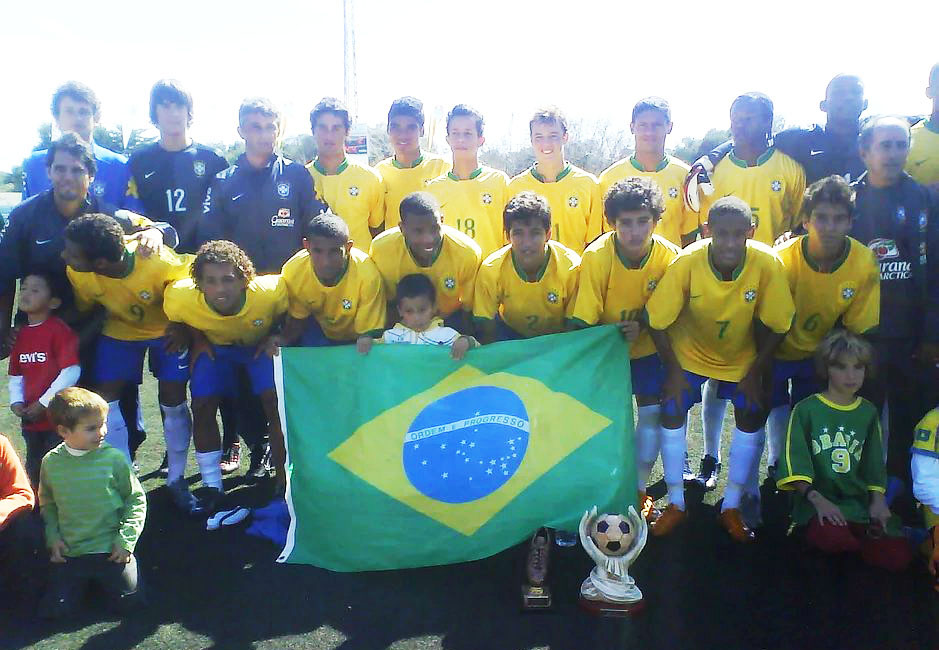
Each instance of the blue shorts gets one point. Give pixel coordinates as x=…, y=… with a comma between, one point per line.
x=117, y=360
x=725, y=390
x=506, y=333
x=314, y=337
x=804, y=381
x=647, y=374
x=213, y=378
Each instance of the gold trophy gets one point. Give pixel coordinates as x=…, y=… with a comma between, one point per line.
x=613, y=542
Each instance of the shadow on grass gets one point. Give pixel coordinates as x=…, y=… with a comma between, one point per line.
x=223, y=590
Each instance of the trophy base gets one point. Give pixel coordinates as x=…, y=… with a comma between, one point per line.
x=609, y=609
x=536, y=599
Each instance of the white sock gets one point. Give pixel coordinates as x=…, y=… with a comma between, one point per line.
x=712, y=418
x=177, y=430
x=209, y=467
x=673, y=461
x=753, y=482
x=776, y=425
x=744, y=448
x=648, y=441
x=117, y=429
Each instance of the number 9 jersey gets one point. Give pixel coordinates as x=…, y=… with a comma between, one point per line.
x=171, y=185
x=134, y=303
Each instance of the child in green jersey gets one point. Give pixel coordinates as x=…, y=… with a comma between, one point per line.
x=92, y=505
x=833, y=459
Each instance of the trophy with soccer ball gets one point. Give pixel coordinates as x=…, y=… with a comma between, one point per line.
x=613, y=542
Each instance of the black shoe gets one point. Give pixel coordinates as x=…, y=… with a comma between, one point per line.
x=708, y=473
x=210, y=500
x=686, y=474
x=184, y=499
x=164, y=469
x=260, y=467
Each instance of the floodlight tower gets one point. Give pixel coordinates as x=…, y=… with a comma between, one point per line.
x=357, y=140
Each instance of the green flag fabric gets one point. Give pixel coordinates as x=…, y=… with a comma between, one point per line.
x=407, y=458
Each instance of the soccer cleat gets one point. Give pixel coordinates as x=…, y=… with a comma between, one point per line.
x=708, y=472
x=733, y=523
x=231, y=459
x=260, y=467
x=226, y=518
x=184, y=499
x=210, y=500
x=686, y=474
x=698, y=181
x=539, y=552
x=164, y=469
x=751, y=510
x=668, y=520
x=647, y=507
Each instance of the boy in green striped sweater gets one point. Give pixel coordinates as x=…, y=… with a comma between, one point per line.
x=92, y=505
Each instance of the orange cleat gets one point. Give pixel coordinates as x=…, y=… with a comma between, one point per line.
x=732, y=521
x=647, y=507
x=668, y=520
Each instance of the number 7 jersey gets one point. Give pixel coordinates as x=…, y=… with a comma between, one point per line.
x=134, y=303
x=709, y=319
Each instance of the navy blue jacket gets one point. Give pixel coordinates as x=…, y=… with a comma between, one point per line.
x=900, y=224
x=264, y=211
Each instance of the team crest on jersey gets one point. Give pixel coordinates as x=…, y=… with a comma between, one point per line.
x=673, y=192
x=573, y=201
x=98, y=189
x=258, y=322
x=346, y=304
x=749, y=295
x=847, y=293
x=650, y=287
x=449, y=283
x=283, y=190
x=487, y=198
x=198, y=168
x=776, y=185
x=901, y=215
x=923, y=221
x=353, y=190
x=552, y=297
x=145, y=295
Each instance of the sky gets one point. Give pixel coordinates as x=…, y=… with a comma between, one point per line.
x=592, y=59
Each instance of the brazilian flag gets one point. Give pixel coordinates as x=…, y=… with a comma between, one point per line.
x=407, y=458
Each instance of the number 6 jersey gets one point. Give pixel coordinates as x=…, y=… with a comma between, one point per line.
x=134, y=302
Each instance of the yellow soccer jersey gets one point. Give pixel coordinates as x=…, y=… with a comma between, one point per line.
x=134, y=303
x=474, y=205
x=355, y=192
x=678, y=220
x=851, y=292
x=926, y=438
x=610, y=290
x=923, y=162
x=401, y=180
x=576, y=206
x=710, y=320
x=530, y=307
x=265, y=303
x=773, y=188
x=352, y=307
x=453, y=271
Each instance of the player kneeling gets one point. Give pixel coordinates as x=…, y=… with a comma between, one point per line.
x=834, y=461
x=618, y=273
x=718, y=313
x=224, y=314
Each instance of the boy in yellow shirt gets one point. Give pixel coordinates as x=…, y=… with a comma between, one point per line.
x=334, y=290
x=527, y=288
x=618, y=273
x=719, y=312
x=471, y=195
x=572, y=193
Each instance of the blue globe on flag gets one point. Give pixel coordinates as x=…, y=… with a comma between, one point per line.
x=466, y=445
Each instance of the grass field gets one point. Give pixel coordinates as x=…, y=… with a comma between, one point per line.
x=223, y=590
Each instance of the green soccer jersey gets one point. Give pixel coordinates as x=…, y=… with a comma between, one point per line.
x=839, y=450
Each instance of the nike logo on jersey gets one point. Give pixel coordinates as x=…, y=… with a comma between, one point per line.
x=40, y=242
x=149, y=174
x=815, y=153
x=237, y=196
